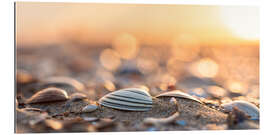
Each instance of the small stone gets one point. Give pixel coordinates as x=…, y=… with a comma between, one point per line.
x=161, y=121
x=173, y=101
x=90, y=119
x=89, y=108
x=181, y=122
x=151, y=129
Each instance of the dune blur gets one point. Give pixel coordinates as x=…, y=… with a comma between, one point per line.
x=40, y=23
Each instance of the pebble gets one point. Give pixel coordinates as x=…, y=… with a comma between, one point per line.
x=152, y=129
x=89, y=108
x=160, y=121
x=181, y=122
x=90, y=119
x=216, y=91
x=173, y=101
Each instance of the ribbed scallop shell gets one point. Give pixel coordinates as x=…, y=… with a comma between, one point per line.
x=248, y=108
x=132, y=99
x=178, y=93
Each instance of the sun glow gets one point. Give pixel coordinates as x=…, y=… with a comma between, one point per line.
x=243, y=22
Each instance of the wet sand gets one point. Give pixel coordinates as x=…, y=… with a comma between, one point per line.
x=67, y=116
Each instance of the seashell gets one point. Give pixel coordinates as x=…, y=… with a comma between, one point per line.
x=131, y=99
x=89, y=108
x=248, y=108
x=179, y=94
x=158, y=121
x=69, y=84
x=78, y=96
x=48, y=95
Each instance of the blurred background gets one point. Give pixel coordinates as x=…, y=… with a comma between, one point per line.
x=208, y=51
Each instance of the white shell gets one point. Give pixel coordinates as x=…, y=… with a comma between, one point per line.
x=248, y=108
x=132, y=99
x=48, y=95
x=179, y=94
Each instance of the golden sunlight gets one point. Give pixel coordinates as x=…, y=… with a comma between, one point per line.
x=242, y=21
x=205, y=67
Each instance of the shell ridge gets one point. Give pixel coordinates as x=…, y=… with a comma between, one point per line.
x=126, y=100
x=125, y=103
x=131, y=98
x=142, y=92
x=117, y=106
x=127, y=93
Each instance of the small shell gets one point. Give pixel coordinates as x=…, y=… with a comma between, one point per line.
x=132, y=99
x=179, y=94
x=48, y=95
x=89, y=108
x=62, y=82
x=157, y=121
x=248, y=108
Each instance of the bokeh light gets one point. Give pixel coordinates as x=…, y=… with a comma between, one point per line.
x=126, y=45
x=205, y=67
x=217, y=91
x=109, y=85
x=236, y=86
x=110, y=59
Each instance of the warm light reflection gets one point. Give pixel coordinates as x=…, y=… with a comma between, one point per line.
x=185, y=47
x=236, y=86
x=142, y=87
x=54, y=124
x=244, y=22
x=109, y=85
x=198, y=92
x=126, y=45
x=110, y=59
x=216, y=91
x=205, y=67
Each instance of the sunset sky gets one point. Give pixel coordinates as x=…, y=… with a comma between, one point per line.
x=89, y=23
